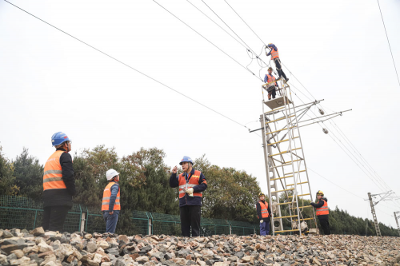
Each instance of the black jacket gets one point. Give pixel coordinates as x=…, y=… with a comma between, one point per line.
x=259, y=212
x=62, y=197
x=319, y=205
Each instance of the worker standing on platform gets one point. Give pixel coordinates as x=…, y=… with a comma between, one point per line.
x=322, y=212
x=269, y=79
x=191, y=184
x=263, y=214
x=58, y=184
x=110, y=205
x=275, y=56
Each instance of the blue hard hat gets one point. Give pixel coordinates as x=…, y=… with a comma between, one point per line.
x=58, y=138
x=186, y=159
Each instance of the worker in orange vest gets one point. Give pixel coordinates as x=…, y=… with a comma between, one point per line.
x=110, y=205
x=322, y=212
x=263, y=214
x=191, y=185
x=269, y=79
x=58, y=184
x=275, y=57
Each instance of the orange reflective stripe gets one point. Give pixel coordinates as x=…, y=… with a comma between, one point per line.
x=264, y=209
x=274, y=54
x=52, y=176
x=193, y=181
x=105, y=204
x=323, y=210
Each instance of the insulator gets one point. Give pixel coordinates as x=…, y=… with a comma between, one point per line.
x=321, y=111
x=325, y=130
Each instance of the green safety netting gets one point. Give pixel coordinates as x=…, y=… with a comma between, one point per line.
x=166, y=224
x=94, y=221
x=141, y=223
x=25, y=213
x=210, y=227
x=242, y=228
x=21, y=212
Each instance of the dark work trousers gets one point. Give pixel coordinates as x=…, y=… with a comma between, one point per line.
x=271, y=92
x=264, y=228
x=190, y=217
x=325, y=226
x=111, y=221
x=279, y=68
x=54, y=217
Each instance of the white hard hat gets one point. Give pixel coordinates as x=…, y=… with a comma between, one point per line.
x=110, y=174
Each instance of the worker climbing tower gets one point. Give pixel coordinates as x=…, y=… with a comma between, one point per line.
x=289, y=188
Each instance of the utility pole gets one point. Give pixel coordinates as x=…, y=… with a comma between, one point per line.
x=372, y=204
x=397, y=221
x=377, y=230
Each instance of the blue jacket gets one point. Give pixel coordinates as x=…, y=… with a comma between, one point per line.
x=187, y=200
x=114, y=191
x=272, y=46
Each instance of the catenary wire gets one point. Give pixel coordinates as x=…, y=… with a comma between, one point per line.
x=119, y=61
x=237, y=62
x=296, y=77
x=125, y=64
x=390, y=48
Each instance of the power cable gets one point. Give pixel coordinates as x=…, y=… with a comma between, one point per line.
x=247, y=46
x=390, y=48
x=204, y=38
x=351, y=193
x=242, y=42
x=218, y=25
x=125, y=64
x=377, y=179
x=244, y=22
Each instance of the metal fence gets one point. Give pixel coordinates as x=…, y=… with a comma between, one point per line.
x=21, y=212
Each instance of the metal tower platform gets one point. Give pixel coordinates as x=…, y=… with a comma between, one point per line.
x=289, y=188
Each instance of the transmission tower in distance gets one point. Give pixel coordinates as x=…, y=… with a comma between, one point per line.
x=371, y=197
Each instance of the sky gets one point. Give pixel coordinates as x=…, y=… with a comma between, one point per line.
x=338, y=50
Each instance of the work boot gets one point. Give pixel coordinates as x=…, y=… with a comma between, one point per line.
x=287, y=80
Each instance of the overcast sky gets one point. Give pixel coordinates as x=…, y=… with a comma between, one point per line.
x=337, y=49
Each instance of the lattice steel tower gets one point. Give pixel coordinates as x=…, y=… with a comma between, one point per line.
x=289, y=188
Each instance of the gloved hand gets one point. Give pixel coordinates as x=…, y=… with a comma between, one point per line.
x=189, y=191
x=261, y=221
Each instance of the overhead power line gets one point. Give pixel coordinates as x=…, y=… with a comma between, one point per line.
x=390, y=48
x=372, y=174
x=125, y=64
x=237, y=62
x=327, y=179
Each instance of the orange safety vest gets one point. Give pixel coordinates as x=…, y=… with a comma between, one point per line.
x=324, y=209
x=271, y=80
x=274, y=54
x=193, y=181
x=106, y=198
x=264, y=210
x=52, y=178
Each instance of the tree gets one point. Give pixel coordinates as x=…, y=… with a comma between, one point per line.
x=146, y=182
x=90, y=169
x=29, y=175
x=7, y=178
x=230, y=194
